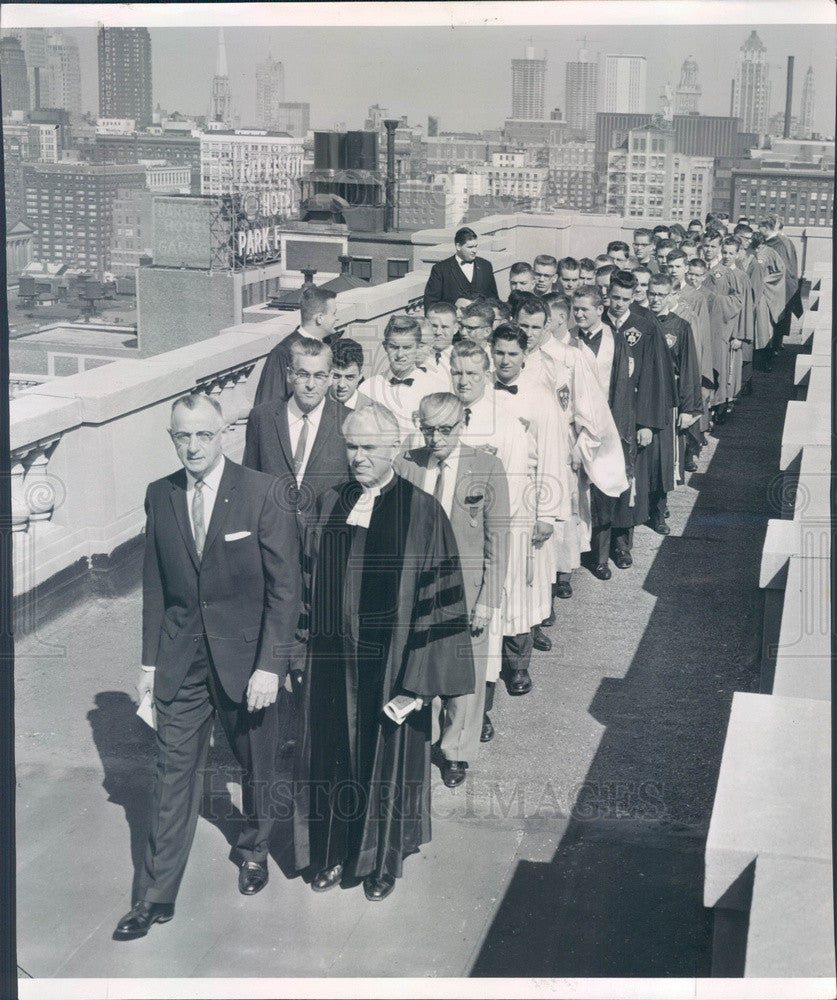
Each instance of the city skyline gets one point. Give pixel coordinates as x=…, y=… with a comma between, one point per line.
x=184, y=63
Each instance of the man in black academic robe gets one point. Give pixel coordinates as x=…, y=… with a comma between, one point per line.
x=385, y=618
x=653, y=380
x=681, y=345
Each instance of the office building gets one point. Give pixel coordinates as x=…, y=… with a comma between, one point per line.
x=806, y=106
x=33, y=41
x=582, y=93
x=132, y=230
x=510, y=175
x=252, y=160
x=70, y=207
x=293, y=117
x=270, y=93
x=624, y=84
x=571, y=182
x=687, y=95
x=528, y=85
x=751, y=86
x=648, y=178
x=800, y=194
x=125, y=74
x=15, y=80
x=61, y=82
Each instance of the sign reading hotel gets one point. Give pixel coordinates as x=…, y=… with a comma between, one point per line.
x=256, y=226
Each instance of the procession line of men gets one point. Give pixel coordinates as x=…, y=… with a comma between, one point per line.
x=393, y=545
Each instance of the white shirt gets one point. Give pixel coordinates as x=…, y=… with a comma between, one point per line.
x=351, y=402
x=295, y=422
x=211, y=482
x=467, y=268
x=431, y=475
x=361, y=514
x=403, y=400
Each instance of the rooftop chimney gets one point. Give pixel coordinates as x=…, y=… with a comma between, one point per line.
x=788, y=97
x=308, y=275
x=345, y=263
x=390, y=124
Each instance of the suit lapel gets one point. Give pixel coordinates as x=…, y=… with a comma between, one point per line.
x=226, y=488
x=280, y=417
x=181, y=516
x=328, y=427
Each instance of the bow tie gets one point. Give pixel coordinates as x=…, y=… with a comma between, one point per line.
x=506, y=388
x=401, y=381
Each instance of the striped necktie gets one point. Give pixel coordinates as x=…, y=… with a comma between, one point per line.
x=197, y=517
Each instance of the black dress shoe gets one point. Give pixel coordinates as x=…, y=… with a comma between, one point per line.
x=327, y=878
x=453, y=772
x=487, y=734
x=690, y=464
x=520, y=682
x=720, y=416
x=135, y=924
x=376, y=888
x=563, y=590
x=601, y=571
x=549, y=621
x=623, y=559
x=660, y=526
x=540, y=640
x=252, y=877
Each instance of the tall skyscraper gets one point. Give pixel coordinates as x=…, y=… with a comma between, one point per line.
x=806, y=107
x=528, y=85
x=221, y=93
x=34, y=44
x=687, y=95
x=63, y=73
x=751, y=86
x=270, y=92
x=125, y=74
x=582, y=92
x=624, y=84
x=14, y=75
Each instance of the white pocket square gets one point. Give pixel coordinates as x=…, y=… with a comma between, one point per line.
x=234, y=537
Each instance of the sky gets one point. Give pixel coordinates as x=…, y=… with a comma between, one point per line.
x=460, y=74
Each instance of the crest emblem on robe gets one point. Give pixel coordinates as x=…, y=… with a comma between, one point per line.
x=564, y=396
x=632, y=335
x=671, y=340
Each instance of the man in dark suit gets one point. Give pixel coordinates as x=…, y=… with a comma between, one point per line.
x=299, y=440
x=470, y=485
x=462, y=275
x=220, y=601
x=317, y=314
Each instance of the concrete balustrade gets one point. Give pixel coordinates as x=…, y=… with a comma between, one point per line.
x=768, y=853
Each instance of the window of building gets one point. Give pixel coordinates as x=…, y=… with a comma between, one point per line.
x=362, y=268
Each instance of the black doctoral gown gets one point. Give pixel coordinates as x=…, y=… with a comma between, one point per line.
x=653, y=380
x=385, y=613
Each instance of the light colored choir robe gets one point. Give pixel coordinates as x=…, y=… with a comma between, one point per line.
x=492, y=426
x=594, y=445
x=726, y=293
x=767, y=273
x=692, y=304
x=549, y=494
x=402, y=400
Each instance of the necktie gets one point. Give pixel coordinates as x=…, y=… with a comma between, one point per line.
x=400, y=381
x=197, y=518
x=506, y=388
x=467, y=415
x=439, y=488
x=438, y=356
x=299, y=454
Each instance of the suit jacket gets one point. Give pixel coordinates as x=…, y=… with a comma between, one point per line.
x=273, y=383
x=447, y=283
x=242, y=595
x=479, y=518
x=268, y=449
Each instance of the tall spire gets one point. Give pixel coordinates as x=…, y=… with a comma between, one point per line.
x=221, y=63
x=221, y=94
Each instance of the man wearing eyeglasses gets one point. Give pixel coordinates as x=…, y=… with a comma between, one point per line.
x=470, y=485
x=644, y=249
x=299, y=440
x=220, y=605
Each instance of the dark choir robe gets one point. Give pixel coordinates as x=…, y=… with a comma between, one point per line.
x=653, y=380
x=621, y=399
x=725, y=289
x=386, y=615
x=786, y=251
x=681, y=344
x=767, y=280
x=273, y=381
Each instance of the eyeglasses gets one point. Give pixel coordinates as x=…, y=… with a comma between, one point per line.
x=204, y=437
x=444, y=429
x=300, y=376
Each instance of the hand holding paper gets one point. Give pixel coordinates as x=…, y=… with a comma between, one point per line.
x=400, y=707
